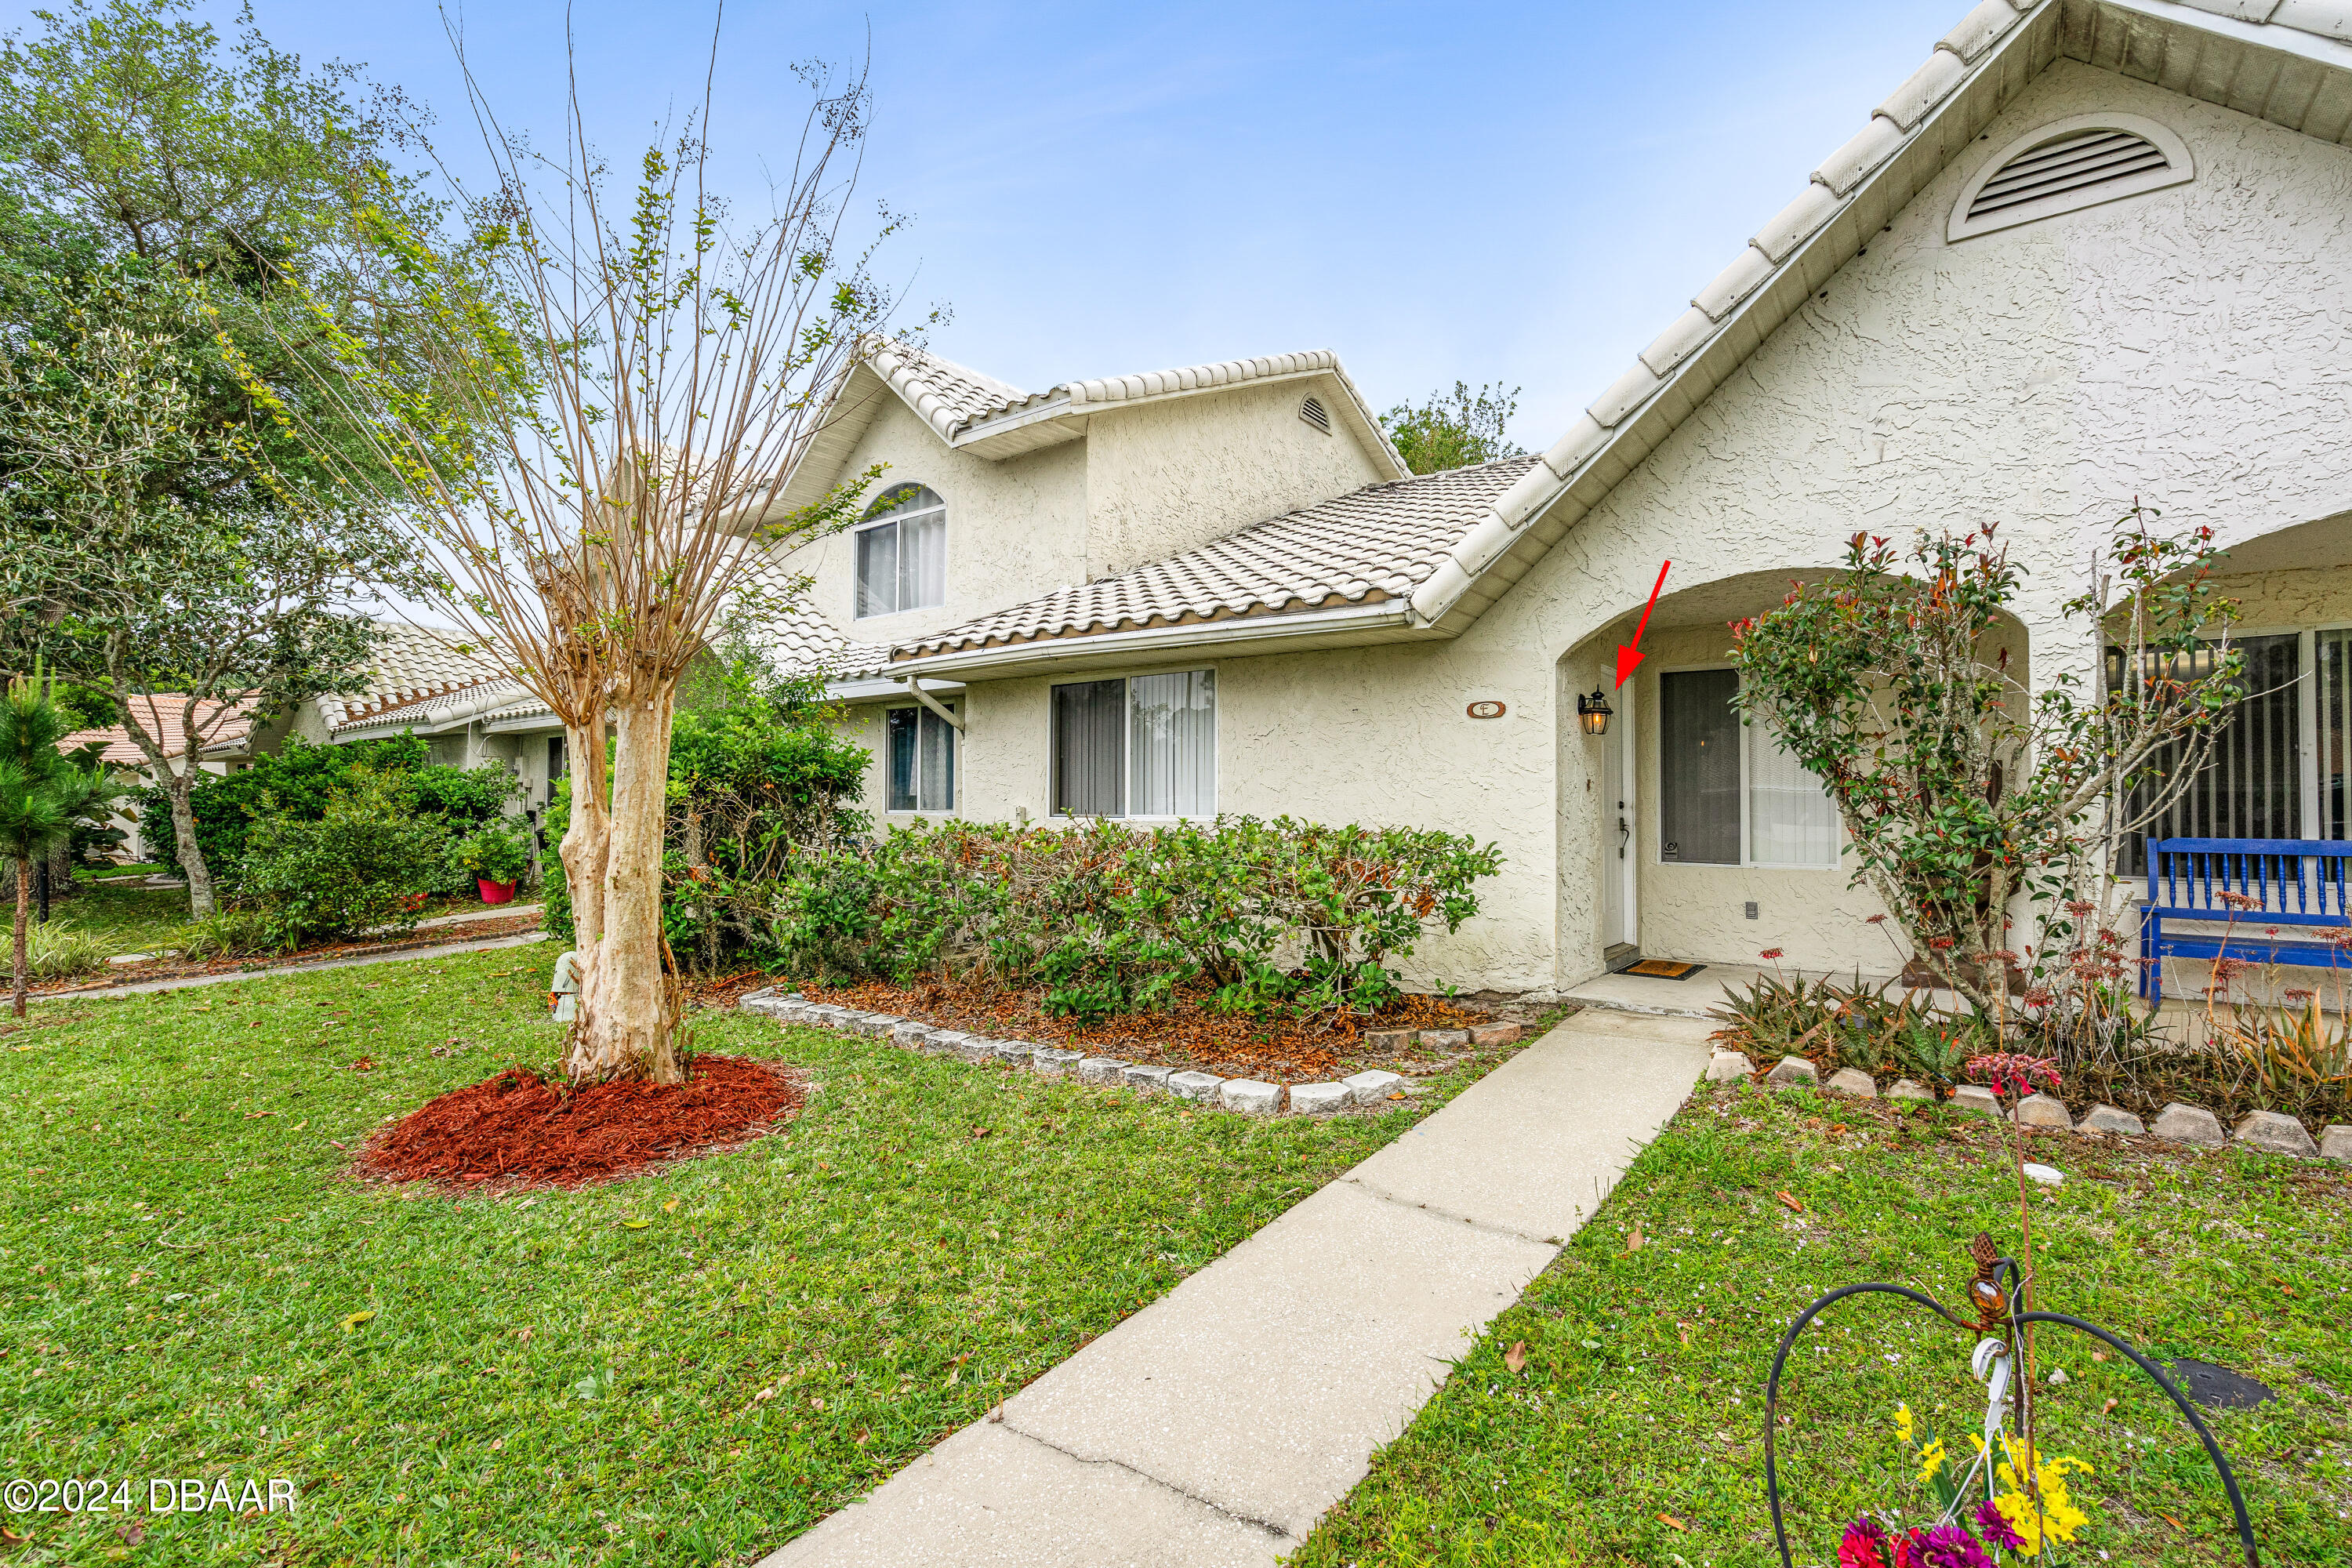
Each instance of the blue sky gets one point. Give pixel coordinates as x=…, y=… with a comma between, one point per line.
x=1512, y=192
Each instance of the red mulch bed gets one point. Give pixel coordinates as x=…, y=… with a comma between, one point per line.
x=515, y=1127
x=1188, y=1034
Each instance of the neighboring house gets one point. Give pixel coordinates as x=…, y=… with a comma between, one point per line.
x=2092, y=250
x=992, y=497
x=421, y=682
x=226, y=736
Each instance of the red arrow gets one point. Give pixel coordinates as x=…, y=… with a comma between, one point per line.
x=1631, y=654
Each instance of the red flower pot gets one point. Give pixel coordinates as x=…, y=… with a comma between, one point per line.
x=495, y=892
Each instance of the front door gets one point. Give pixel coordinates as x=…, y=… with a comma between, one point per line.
x=1620, y=927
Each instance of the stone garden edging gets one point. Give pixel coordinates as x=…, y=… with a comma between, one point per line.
x=1246, y=1096
x=2271, y=1131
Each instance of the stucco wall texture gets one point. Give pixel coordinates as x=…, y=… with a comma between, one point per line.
x=2187, y=346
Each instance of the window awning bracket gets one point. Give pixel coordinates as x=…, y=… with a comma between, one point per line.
x=915, y=690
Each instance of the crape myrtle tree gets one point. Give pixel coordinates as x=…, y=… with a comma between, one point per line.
x=175, y=223
x=622, y=373
x=1959, y=788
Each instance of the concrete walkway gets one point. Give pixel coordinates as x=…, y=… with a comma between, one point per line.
x=1213, y=1427
x=182, y=982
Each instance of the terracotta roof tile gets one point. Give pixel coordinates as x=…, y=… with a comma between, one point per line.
x=160, y=716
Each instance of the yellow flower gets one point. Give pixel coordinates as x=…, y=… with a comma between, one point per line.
x=1931, y=1461
x=2059, y=1518
x=1903, y=1425
x=2055, y=1514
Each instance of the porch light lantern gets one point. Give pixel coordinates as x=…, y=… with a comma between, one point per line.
x=1593, y=711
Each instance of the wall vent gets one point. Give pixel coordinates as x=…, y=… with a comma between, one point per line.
x=2065, y=167
x=1315, y=414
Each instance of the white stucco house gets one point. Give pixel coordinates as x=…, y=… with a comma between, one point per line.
x=2090, y=250
x=422, y=680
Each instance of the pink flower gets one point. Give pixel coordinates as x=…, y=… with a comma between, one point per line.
x=2012, y=1072
x=1769, y=952
x=1865, y=1544
x=1946, y=1546
x=1995, y=1528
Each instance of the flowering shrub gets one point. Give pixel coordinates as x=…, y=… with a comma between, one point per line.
x=1287, y=915
x=2014, y=1074
x=1959, y=787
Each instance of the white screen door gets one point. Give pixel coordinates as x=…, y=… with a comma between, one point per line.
x=1618, y=835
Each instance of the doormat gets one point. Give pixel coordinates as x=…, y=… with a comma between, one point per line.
x=1661, y=969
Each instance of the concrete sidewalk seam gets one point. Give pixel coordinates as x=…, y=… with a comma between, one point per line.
x=1276, y=1530
x=1487, y=1226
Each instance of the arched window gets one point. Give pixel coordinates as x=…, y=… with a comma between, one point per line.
x=902, y=551
x=2066, y=166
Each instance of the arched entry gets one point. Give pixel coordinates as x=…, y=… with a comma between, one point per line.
x=1688, y=836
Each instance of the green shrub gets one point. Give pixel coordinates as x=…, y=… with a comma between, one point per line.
x=759, y=785
x=298, y=782
x=1281, y=916
x=555, y=903
x=224, y=934
x=54, y=951
x=1847, y=1026
x=365, y=863
x=496, y=853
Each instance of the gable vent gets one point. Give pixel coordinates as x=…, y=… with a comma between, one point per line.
x=2080, y=162
x=2080, y=166
x=1315, y=414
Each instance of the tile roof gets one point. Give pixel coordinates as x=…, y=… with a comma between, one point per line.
x=955, y=400
x=801, y=640
x=1369, y=545
x=948, y=395
x=160, y=716
x=492, y=701
x=408, y=662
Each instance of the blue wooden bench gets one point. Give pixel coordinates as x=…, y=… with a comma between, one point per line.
x=2295, y=882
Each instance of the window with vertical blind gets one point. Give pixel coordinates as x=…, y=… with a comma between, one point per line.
x=1792, y=821
x=2252, y=785
x=1139, y=747
x=902, y=552
x=1729, y=794
x=923, y=760
x=2333, y=761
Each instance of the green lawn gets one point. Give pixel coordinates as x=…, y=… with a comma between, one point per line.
x=129, y=918
x=685, y=1368
x=1645, y=1366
